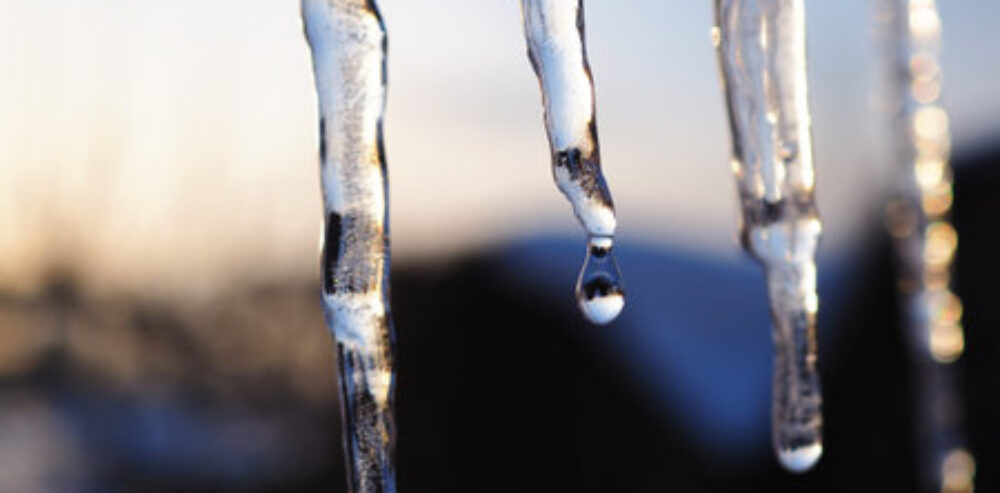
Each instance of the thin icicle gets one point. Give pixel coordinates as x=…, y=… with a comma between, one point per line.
x=925, y=240
x=556, y=47
x=761, y=51
x=348, y=43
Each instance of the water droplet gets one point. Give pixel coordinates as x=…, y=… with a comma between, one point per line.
x=600, y=290
x=555, y=36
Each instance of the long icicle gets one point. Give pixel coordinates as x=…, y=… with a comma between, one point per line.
x=761, y=52
x=348, y=44
x=557, y=49
x=925, y=242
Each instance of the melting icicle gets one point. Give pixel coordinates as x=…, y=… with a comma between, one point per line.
x=918, y=219
x=598, y=289
x=761, y=51
x=555, y=33
x=348, y=43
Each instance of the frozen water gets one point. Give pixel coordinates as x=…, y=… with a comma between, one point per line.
x=761, y=52
x=348, y=41
x=800, y=459
x=917, y=217
x=554, y=30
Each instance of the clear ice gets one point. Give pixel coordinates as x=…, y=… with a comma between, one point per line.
x=917, y=218
x=762, y=57
x=348, y=43
x=554, y=30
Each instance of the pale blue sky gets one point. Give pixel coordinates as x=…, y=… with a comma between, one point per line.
x=183, y=131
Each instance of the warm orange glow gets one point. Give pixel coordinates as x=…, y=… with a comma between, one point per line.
x=940, y=241
x=958, y=470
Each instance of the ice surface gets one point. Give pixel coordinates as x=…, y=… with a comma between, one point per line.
x=554, y=30
x=348, y=41
x=761, y=51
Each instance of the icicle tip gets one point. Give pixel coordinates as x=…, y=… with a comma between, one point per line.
x=800, y=459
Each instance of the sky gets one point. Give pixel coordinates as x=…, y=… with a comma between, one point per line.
x=171, y=146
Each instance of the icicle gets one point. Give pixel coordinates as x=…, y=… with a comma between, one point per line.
x=348, y=45
x=555, y=34
x=761, y=51
x=925, y=241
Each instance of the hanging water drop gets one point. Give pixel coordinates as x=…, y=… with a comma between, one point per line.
x=760, y=46
x=599, y=289
x=554, y=30
x=347, y=40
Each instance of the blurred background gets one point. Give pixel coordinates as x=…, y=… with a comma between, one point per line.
x=160, y=328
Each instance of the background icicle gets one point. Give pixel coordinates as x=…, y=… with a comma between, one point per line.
x=917, y=218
